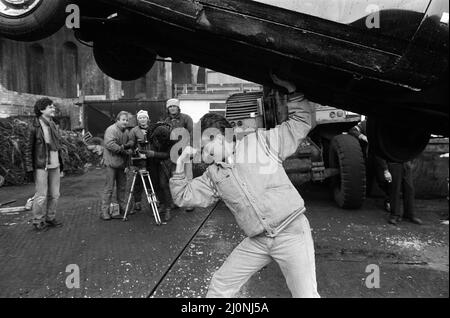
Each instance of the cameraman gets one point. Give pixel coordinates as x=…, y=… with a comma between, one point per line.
x=150, y=158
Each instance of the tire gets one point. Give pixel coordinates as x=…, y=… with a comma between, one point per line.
x=396, y=143
x=42, y=19
x=349, y=187
x=123, y=62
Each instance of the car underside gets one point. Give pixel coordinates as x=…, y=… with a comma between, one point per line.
x=396, y=75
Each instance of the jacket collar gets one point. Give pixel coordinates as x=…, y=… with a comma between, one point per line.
x=117, y=126
x=223, y=164
x=232, y=158
x=177, y=116
x=36, y=122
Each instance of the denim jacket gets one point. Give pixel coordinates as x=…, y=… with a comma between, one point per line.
x=255, y=187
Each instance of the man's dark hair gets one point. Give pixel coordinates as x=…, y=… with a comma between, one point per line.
x=161, y=134
x=212, y=120
x=41, y=104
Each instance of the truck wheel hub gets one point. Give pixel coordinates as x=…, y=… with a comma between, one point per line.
x=17, y=8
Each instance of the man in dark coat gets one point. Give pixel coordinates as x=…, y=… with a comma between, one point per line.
x=376, y=166
x=42, y=158
x=141, y=138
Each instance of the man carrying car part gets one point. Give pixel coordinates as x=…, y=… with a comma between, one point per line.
x=248, y=176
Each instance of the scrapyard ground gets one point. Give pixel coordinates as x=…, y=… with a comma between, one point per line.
x=139, y=259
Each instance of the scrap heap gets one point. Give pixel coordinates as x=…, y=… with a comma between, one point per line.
x=75, y=154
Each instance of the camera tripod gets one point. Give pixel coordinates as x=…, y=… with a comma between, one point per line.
x=151, y=196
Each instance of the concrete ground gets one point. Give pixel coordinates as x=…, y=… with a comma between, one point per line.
x=140, y=259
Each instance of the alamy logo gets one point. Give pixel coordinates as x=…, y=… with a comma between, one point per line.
x=73, y=19
x=373, y=280
x=73, y=279
x=373, y=19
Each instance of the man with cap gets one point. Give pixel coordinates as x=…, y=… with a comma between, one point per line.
x=176, y=119
x=140, y=137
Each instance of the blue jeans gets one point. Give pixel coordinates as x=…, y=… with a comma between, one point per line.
x=47, y=194
x=292, y=249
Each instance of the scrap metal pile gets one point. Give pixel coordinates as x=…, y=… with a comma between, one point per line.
x=75, y=152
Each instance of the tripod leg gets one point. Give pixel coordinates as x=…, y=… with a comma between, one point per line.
x=130, y=195
x=150, y=199
x=154, y=199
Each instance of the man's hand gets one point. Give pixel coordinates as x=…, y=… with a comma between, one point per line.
x=127, y=152
x=187, y=154
x=128, y=145
x=387, y=176
x=364, y=138
x=289, y=86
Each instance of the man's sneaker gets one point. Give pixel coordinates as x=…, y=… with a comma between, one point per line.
x=40, y=227
x=53, y=223
x=105, y=216
x=414, y=220
x=189, y=209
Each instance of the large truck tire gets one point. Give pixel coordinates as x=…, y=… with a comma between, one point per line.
x=31, y=20
x=123, y=62
x=349, y=187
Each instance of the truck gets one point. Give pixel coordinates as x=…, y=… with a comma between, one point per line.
x=328, y=153
x=387, y=59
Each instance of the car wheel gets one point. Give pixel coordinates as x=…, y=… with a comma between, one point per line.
x=123, y=62
x=31, y=20
x=349, y=187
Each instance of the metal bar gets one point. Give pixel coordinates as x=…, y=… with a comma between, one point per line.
x=130, y=195
x=150, y=198
x=154, y=199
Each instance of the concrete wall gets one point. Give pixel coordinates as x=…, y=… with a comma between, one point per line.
x=156, y=85
x=22, y=104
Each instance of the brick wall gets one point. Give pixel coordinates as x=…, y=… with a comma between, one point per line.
x=21, y=104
